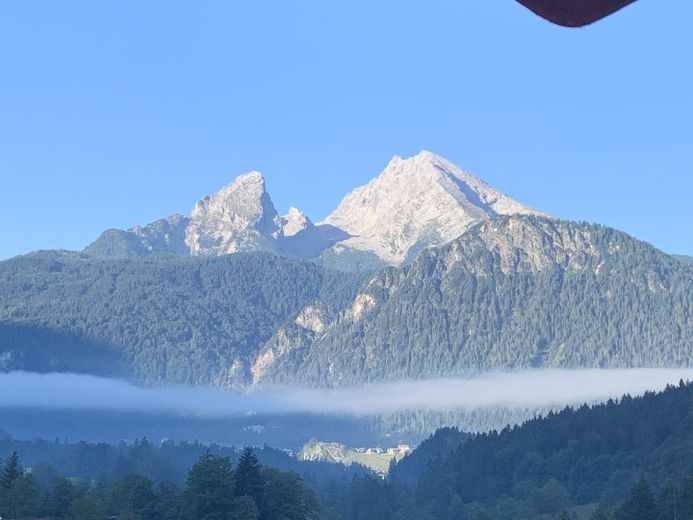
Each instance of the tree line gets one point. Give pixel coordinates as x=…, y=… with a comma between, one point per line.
x=215, y=489
x=620, y=460
x=630, y=457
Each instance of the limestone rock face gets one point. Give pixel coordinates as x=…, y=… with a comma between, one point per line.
x=300, y=238
x=240, y=217
x=166, y=234
x=311, y=323
x=415, y=203
x=295, y=222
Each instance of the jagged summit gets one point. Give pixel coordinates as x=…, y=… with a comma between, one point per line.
x=166, y=235
x=294, y=222
x=239, y=217
x=414, y=203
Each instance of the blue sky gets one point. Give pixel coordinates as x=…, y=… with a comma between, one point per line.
x=114, y=113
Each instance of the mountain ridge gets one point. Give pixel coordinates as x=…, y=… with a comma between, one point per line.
x=413, y=203
x=418, y=214
x=512, y=292
x=425, y=271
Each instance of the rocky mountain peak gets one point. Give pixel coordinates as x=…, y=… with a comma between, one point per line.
x=410, y=165
x=251, y=184
x=414, y=203
x=294, y=222
x=166, y=234
x=239, y=217
x=521, y=244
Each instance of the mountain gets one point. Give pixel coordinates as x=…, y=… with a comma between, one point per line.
x=582, y=456
x=442, y=276
x=239, y=218
x=629, y=459
x=440, y=445
x=166, y=235
x=512, y=292
x=414, y=203
x=193, y=320
x=686, y=259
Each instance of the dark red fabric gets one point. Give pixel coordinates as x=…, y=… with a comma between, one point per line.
x=574, y=13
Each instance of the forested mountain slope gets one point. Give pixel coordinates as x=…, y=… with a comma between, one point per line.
x=433, y=451
x=159, y=319
x=513, y=292
x=574, y=457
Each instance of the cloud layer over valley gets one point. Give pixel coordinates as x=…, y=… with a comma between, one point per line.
x=529, y=388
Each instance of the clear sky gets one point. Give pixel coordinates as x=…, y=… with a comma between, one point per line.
x=117, y=112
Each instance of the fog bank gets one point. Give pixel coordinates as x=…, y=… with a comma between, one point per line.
x=527, y=388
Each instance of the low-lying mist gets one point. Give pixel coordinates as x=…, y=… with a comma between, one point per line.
x=527, y=388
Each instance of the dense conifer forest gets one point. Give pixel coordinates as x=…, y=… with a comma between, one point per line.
x=213, y=490
x=620, y=460
x=164, y=319
x=510, y=293
x=633, y=449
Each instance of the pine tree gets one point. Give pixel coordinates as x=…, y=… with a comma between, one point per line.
x=63, y=494
x=287, y=497
x=10, y=473
x=87, y=508
x=169, y=502
x=209, y=492
x=134, y=494
x=26, y=497
x=640, y=504
x=244, y=508
x=249, y=479
x=603, y=512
